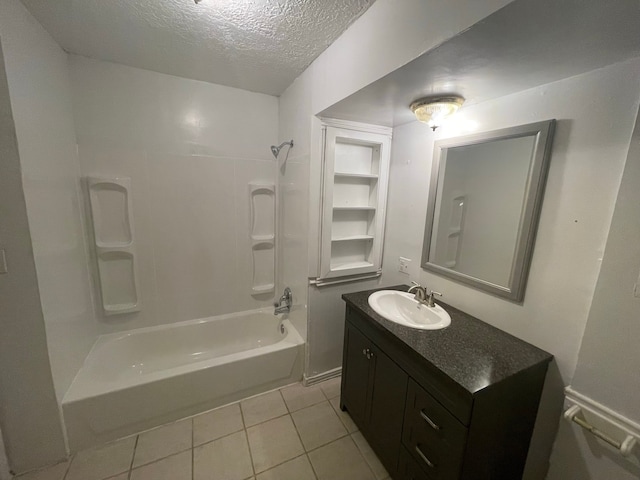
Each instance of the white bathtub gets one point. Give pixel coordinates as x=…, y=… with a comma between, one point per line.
x=143, y=378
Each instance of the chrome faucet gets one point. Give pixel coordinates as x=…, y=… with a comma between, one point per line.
x=284, y=304
x=422, y=296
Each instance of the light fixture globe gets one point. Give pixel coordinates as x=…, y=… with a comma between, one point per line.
x=434, y=110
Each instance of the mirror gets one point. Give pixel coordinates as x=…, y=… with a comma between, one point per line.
x=484, y=202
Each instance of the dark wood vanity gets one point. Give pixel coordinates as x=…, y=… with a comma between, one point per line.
x=456, y=403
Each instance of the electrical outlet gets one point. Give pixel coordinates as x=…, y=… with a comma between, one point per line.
x=404, y=265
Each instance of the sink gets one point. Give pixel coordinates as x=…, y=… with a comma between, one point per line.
x=403, y=309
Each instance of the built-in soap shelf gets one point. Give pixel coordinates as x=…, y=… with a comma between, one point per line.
x=262, y=199
x=114, y=243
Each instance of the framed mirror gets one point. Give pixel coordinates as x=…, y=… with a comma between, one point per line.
x=484, y=203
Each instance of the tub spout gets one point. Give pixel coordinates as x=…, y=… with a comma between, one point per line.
x=284, y=304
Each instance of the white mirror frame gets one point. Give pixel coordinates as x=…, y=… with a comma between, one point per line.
x=534, y=193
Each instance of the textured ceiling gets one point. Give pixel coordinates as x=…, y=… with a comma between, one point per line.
x=257, y=45
x=523, y=45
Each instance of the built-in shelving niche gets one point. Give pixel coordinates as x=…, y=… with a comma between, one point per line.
x=114, y=243
x=263, y=238
x=356, y=166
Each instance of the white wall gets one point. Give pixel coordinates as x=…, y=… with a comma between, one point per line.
x=41, y=98
x=191, y=149
x=29, y=74
x=574, y=222
x=609, y=359
x=388, y=35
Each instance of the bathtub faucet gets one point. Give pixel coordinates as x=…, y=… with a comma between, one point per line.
x=284, y=304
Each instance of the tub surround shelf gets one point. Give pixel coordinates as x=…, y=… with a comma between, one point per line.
x=263, y=237
x=114, y=243
x=478, y=385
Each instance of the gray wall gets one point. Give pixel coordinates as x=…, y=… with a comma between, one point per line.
x=609, y=359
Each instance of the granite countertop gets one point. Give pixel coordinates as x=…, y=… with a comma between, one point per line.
x=471, y=352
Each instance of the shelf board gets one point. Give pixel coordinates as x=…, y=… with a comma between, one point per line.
x=355, y=175
x=352, y=237
x=350, y=265
x=354, y=208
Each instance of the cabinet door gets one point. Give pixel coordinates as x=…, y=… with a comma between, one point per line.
x=386, y=410
x=355, y=374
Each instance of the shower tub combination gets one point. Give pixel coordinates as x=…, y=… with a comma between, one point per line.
x=144, y=378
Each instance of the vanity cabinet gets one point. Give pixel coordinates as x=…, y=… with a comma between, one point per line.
x=456, y=403
x=374, y=388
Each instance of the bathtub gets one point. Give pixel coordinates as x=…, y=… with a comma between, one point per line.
x=144, y=378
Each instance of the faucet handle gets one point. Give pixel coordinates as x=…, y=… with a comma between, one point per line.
x=435, y=293
x=415, y=284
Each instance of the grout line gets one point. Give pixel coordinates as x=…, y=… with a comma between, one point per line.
x=311, y=464
x=135, y=447
x=66, y=472
x=246, y=436
x=162, y=458
x=193, y=454
x=362, y=452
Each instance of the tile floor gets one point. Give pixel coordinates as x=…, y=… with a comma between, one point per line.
x=295, y=433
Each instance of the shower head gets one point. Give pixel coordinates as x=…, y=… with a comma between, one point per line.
x=276, y=150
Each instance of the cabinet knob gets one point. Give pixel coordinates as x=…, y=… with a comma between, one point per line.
x=364, y=352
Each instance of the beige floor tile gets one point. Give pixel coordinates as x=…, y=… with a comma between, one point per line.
x=216, y=424
x=344, y=416
x=298, y=396
x=318, y=425
x=224, y=459
x=331, y=387
x=370, y=457
x=273, y=442
x=55, y=472
x=102, y=462
x=340, y=460
x=296, y=469
x=262, y=408
x=162, y=442
x=175, y=467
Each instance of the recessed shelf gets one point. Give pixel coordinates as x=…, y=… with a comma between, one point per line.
x=355, y=182
x=350, y=265
x=355, y=175
x=353, y=237
x=354, y=208
x=262, y=238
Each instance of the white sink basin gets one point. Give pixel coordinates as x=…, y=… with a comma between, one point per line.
x=402, y=308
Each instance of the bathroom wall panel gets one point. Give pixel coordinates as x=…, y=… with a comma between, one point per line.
x=189, y=173
x=37, y=190
x=124, y=107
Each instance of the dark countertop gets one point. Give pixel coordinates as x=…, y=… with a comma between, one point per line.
x=471, y=352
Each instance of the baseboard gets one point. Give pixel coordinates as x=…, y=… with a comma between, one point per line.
x=321, y=377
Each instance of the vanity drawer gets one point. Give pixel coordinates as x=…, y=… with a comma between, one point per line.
x=408, y=468
x=434, y=437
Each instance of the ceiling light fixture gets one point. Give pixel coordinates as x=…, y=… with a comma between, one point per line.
x=434, y=110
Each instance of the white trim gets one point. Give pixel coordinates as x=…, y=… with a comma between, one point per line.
x=321, y=377
x=358, y=126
